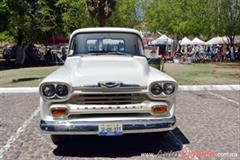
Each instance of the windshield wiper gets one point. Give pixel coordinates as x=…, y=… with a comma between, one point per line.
x=108, y=53
x=90, y=53
x=118, y=53
x=96, y=52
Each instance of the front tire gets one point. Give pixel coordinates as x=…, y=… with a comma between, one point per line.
x=58, y=139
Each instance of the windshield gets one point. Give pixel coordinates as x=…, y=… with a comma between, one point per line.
x=106, y=43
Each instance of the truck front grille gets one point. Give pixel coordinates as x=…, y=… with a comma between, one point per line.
x=108, y=99
x=116, y=115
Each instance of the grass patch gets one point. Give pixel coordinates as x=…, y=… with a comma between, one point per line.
x=24, y=77
x=218, y=73
x=186, y=74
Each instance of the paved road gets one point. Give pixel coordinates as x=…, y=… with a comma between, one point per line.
x=208, y=122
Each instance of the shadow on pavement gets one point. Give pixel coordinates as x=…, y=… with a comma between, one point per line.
x=124, y=146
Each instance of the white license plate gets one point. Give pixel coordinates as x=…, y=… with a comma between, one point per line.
x=110, y=129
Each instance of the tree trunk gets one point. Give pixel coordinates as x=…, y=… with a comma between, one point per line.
x=102, y=22
x=19, y=50
x=232, y=39
x=19, y=54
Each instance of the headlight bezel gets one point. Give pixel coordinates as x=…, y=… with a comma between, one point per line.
x=55, y=97
x=156, y=84
x=44, y=93
x=164, y=88
x=163, y=93
x=57, y=90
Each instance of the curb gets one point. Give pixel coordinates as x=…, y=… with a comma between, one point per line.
x=209, y=87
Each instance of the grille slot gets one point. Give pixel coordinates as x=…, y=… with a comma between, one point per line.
x=120, y=115
x=109, y=99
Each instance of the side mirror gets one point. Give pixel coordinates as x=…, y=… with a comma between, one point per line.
x=71, y=52
x=61, y=57
x=154, y=60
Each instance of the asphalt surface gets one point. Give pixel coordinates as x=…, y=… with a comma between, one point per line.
x=208, y=128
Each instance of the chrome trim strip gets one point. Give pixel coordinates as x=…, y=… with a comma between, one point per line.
x=145, y=107
x=91, y=128
x=120, y=89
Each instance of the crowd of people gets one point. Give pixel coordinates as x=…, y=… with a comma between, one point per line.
x=31, y=54
x=200, y=53
x=48, y=55
x=56, y=56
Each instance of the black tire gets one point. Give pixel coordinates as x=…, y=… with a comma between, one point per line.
x=59, y=139
x=165, y=132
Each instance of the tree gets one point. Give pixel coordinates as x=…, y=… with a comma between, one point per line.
x=126, y=14
x=204, y=18
x=74, y=15
x=178, y=17
x=101, y=10
x=28, y=22
x=4, y=13
x=228, y=19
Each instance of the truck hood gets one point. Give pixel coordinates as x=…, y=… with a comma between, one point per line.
x=90, y=70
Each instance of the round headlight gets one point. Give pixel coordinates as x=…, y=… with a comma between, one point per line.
x=156, y=89
x=62, y=90
x=48, y=90
x=168, y=88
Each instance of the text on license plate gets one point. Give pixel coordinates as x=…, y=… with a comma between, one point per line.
x=110, y=129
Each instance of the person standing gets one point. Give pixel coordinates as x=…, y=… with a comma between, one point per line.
x=232, y=53
x=238, y=53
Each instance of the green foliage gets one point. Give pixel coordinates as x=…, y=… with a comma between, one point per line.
x=27, y=21
x=193, y=17
x=34, y=20
x=74, y=15
x=4, y=13
x=229, y=18
x=125, y=14
x=5, y=36
x=177, y=17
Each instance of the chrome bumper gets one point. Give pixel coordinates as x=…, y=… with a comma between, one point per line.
x=91, y=128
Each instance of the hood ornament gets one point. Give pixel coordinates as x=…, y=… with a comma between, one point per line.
x=109, y=84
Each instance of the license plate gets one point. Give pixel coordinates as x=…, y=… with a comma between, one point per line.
x=110, y=129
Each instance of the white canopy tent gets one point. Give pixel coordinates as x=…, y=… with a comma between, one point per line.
x=162, y=40
x=237, y=40
x=223, y=40
x=218, y=40
x=185, y=41
x=197, y=41
x=2, y=44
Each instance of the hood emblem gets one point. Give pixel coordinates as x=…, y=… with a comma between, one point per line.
x=109, y=84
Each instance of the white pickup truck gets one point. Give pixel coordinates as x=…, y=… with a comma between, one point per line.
x=106, y=88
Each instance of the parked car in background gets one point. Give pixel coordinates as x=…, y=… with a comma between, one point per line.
x=106, y=88
x=9, y=52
